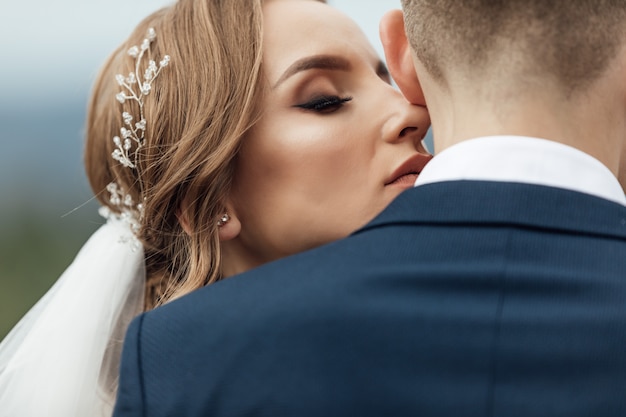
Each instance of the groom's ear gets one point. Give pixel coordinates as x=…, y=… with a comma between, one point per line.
x=399, y=56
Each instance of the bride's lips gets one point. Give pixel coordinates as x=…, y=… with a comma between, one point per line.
x=407, y=173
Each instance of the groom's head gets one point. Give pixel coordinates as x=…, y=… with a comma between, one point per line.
x=554, y=69
x=568, y=43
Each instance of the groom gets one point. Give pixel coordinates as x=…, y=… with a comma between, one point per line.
x=496, y=287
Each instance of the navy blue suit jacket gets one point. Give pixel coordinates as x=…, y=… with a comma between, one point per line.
x=461, y=299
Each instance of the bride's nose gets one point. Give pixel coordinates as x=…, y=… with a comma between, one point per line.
x=405, y=121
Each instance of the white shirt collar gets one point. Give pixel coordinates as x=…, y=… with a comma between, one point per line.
x=526, y=160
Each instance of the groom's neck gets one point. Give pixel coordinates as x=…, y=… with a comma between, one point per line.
x=591, y=121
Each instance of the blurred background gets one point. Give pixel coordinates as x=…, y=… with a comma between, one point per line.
x=50, y=54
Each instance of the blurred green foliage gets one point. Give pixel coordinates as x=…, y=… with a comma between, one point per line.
x=35, y=248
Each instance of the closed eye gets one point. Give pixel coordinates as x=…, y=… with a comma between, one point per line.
x=324, y=104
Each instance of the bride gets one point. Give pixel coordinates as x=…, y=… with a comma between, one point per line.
x=216, y=141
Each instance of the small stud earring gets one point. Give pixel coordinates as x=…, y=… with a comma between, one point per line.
x=223, y=220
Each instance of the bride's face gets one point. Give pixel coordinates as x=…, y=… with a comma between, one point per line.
x=331, y=149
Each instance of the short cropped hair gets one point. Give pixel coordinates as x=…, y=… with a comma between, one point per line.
x=570, y=41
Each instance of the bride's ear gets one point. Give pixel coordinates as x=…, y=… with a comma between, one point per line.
x=228, y=223
x=399, y=56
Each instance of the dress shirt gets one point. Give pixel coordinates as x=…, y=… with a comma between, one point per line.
x=524, y=160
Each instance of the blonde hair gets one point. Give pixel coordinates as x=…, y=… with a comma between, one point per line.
x=197, y=113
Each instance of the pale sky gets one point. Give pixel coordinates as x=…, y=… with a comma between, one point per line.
x=55, y=47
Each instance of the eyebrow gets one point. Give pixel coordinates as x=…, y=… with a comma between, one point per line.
x=382, y=70
x=324, y=62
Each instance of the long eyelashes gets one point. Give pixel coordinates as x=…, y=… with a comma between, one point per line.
x=325, y=104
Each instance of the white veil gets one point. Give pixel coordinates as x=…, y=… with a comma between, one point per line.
x=62, y=358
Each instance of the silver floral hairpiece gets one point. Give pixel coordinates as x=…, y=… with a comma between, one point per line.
x=130, y=212
x=135, y=132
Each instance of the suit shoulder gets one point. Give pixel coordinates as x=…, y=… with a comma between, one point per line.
x=261, y=294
